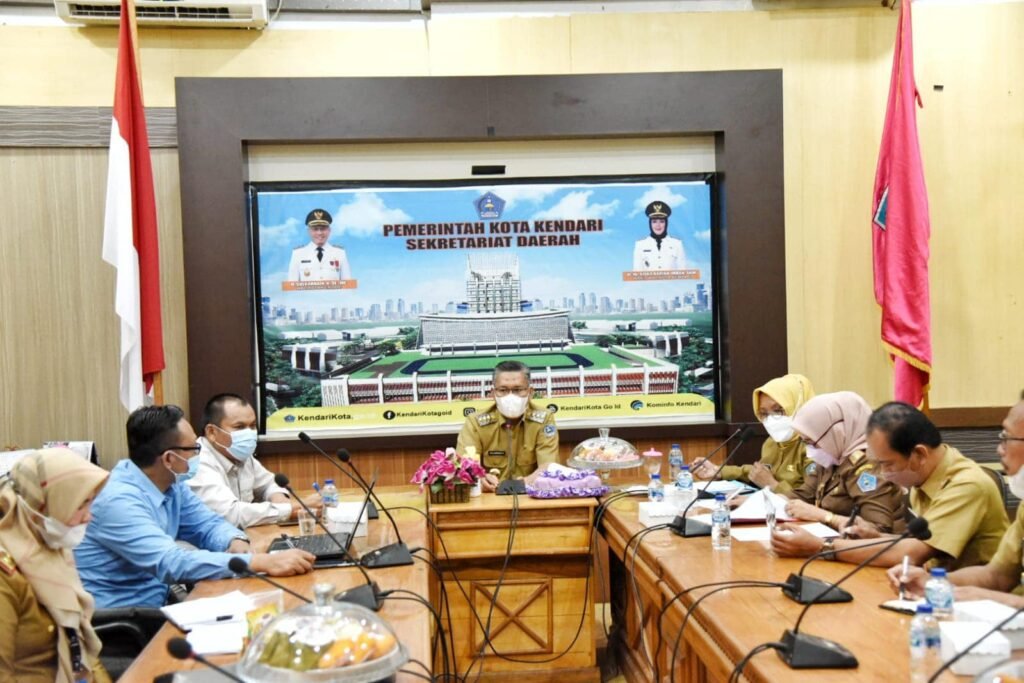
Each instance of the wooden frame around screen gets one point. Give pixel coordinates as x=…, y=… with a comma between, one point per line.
x=219, y=117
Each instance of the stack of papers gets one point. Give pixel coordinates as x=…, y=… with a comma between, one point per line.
x=763, y=533
x=754, y=508
x=725, y=486
x=215, y=625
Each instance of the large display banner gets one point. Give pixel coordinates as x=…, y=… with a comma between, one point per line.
x=385, y=309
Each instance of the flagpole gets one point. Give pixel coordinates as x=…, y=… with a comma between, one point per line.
x=133, y=27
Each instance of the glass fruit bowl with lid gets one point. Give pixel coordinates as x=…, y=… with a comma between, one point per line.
x=604, y=453
x=324, y=641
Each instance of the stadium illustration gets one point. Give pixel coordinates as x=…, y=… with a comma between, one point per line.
x=456, y=351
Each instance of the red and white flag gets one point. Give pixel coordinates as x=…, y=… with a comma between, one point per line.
x=901, y=229
x=130, y=228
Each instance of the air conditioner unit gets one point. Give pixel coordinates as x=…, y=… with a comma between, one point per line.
x=198, y=13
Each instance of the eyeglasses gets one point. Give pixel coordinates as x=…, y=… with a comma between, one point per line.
x=505, y=391
x=816, y=442
x=775, y=413
x=195, y=449
x=1004, y=437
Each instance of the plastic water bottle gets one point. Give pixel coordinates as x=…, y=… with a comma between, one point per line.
x=684, y=486
x=939, y=594
x=329, y=494
x=655, y=489
x=675, y=462
x=721, y=524
x=925, y=645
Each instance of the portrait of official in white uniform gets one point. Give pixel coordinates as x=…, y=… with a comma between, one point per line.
x=319, y=260
x=658, y=251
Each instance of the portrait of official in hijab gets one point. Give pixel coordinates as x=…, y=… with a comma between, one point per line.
x=658, y=251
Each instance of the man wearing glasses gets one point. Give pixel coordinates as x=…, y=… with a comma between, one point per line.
x=130, y=556
x=514, y=436
x=1002, y=577
x=318, y=260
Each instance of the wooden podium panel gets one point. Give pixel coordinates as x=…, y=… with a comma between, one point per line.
x=543, y=608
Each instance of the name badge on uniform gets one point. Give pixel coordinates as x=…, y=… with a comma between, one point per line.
x=306, y=260
x=867, y=482
x=495, y=452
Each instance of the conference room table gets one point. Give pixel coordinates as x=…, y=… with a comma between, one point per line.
x=729, y=624
x=412, y=622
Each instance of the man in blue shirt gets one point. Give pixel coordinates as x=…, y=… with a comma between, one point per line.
x=129, y=556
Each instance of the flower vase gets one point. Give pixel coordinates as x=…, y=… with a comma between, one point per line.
x=456, y=494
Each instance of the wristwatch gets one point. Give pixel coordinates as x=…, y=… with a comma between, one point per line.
x=828, y=549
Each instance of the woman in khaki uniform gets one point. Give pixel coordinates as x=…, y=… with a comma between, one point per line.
x=782, y=464
x=833, y=428
x=45, y=634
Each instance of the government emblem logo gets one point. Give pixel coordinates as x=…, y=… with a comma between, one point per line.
x=489, y=206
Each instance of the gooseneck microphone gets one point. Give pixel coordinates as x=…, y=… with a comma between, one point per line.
x=371, y=509
x=689, y=528
x=240, y=566
x=179, y=648
x=954, y=660
x=394, y=555
x=802, y=651
x=368, y=595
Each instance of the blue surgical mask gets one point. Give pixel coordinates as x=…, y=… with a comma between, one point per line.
x=243, y=443
x=193, y=467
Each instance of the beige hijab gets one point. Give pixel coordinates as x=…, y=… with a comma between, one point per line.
x=837, y=423
x=55, y=482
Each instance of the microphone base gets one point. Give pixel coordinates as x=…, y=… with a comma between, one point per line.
x=394, y=555
x=367, y=595
x=802, y=651
x=690, y=528
x=805, y=590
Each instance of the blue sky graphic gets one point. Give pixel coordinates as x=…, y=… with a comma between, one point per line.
x=386, y=269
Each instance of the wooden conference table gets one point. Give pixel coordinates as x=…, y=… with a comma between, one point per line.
x=728, y=624
x=412, y=623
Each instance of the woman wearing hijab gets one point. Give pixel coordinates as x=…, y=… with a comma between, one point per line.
x=841, y=479
x=45, y=630
x=658, y=251
x=782, y=464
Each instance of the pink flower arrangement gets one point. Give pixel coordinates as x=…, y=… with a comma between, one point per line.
x=447, y=469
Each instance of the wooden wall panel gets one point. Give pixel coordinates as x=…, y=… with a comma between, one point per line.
x=59, y=337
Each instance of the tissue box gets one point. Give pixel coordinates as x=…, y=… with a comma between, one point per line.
x=957, y=635
x=343, y=518
x=657, y=513
x=992, y=613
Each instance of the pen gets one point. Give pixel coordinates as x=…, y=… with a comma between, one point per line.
x=851, y=520
x=903, y=576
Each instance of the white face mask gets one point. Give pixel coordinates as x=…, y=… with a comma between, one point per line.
x=512, y=406
x=780, y=427
x=1016, y=483
x=55, y=534
x=820, y=457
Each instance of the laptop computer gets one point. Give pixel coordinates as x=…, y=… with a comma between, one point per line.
x=327, y=551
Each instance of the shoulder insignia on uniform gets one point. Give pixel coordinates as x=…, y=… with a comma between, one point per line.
x=484, y=419
x=537, y=415
x=857, y=457
x=7, y=563
x=550, y=430
x=811, y=468
x=867, y=482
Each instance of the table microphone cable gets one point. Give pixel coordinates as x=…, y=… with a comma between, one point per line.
x=398, y=594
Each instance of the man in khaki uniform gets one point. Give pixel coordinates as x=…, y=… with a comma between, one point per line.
x=514, y=436
x=961, y=503
x=1004, y=572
